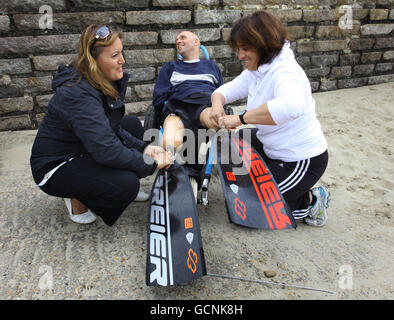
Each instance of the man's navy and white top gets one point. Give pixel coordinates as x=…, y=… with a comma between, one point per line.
x=283, y=85
x=181, y=79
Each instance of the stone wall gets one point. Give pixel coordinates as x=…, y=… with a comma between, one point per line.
x=338, y=47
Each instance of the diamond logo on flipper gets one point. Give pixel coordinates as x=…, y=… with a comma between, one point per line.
x=234, y=188
x=189, y=237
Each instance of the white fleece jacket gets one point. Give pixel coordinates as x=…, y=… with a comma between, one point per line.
x=283, y=85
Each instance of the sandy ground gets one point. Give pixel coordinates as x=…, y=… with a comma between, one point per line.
x=45, y=256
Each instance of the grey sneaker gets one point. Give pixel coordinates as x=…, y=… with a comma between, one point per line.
x=318, y=212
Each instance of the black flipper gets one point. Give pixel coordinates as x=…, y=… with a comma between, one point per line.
x=252, y=196
x=174, y=248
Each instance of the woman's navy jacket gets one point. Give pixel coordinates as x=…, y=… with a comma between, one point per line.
x=82, y=121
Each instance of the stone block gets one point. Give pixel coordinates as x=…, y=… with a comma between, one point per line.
x=233, y=68
x=184, y=3
x=299, y=32
x=328, y=85
x=19, y=104
x=359, y=14
x=17, y=6
x=216, y=16
x=380, y=79
x=318, y=15
x=386, y=3
x=287, y=15
x=226, y=32
x=316, y=46
x=205, y=35
x=144, y=90
x=15, y=66
x=130, y=95
x=317, y=73
x=361, y=44
x=216, y=52
x=353, y=32
x=340, y=72
x=315, y=85
x=15, y=123
x=363, y=70
x=20, y=86
x=124, y=4
x=388, y=55
x=158, y=17
x=4, y=23
x=378, y=14
x=56, y=44
x=303, y=61
x=250, y=2
x=39, y=117
x=327, y=32
x=352, y=83
x=43, y=100
x=135, y=108
x=384, y=67
x=376, y=29
x=370, y=57
x=69, y=21
x=382, y=43
x=148, y=56
x=141, y=74
x=50, y=63
x=349, y=59
x=140, y=38
x=325, y=60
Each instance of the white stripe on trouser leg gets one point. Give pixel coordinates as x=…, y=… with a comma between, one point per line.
x=297, y=177
x=290, y=176
x=300, y=175
x=299, y=214
x=294, y=176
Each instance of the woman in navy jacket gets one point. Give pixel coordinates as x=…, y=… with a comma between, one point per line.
x=85, y=150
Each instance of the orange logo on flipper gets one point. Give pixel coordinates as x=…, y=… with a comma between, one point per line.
x=240, y=208
x=188, y=223
x=192, y=260
x=230, y=176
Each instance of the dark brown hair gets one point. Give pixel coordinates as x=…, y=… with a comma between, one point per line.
x=260, y=31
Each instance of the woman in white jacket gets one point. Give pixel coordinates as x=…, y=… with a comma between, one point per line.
x=280, y=104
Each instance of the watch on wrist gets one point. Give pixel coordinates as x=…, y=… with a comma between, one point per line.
x=241, y=116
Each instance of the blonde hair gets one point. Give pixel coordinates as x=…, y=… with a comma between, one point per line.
x=88, y=51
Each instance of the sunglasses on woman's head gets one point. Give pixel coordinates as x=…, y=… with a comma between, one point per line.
x=101, y=34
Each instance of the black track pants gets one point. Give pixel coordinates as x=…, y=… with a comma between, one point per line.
x=104, y=190
x=294, y=179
